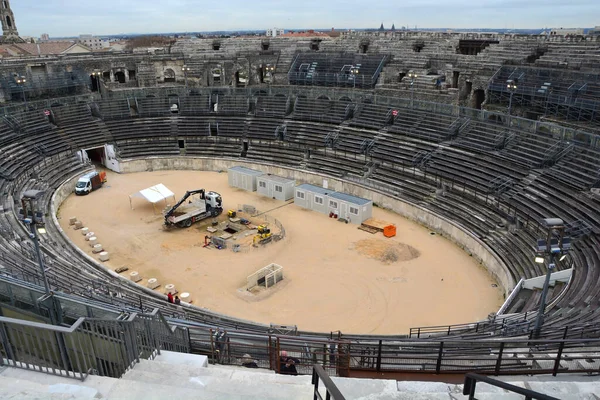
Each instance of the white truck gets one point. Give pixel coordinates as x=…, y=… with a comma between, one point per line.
x=89, y=182
x=202, y=205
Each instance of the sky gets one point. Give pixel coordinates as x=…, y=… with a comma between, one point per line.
x=107, y=17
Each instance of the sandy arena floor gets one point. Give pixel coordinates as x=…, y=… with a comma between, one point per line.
x=336, y=276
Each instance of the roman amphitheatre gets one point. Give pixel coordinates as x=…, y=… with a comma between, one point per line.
x=336, y=276
x=481, y=148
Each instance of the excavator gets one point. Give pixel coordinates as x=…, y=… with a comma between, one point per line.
x=202, y=205
x=263, y=235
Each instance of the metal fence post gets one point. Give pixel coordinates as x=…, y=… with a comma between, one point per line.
x=438, y=365
x=558, y=356
x=499, y=360
x=378, y=367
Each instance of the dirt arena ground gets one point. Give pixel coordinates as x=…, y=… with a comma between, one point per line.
x=337, y=277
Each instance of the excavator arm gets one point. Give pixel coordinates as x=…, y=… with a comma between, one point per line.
x=183, y=199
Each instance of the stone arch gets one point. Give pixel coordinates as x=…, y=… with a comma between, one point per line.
x=4, y=4
x=9, y=21
x=120, y=77
x=346, y=99
x=323, y=97
x=169, y=75
x=478, y=98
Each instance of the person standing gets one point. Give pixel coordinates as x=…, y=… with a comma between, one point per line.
x=169, y=297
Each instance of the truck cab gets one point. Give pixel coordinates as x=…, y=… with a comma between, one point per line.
x=213, y=201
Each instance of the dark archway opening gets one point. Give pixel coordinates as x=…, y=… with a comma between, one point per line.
x=4, y=4
x=455, y=76
x=478, y=98
x=265, y=45
x=364, y=47
x=216, y=46
x=96, y=155
x=169, y=75
x=401, y=76
x=418, y=46
x=314, y=44
x=131, y=74
x=95, y=83
x=8, y=21
x=106, y=75
x=120, y=76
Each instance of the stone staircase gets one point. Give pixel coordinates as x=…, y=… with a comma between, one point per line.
x=186, y=376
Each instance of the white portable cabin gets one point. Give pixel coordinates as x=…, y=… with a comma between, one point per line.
x=276, y=187
x=352, y=208
x=243, y=178
x=312, y=197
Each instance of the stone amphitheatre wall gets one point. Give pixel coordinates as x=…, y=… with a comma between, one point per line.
x=454, y=232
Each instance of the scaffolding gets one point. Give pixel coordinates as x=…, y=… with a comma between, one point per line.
x=560, y=94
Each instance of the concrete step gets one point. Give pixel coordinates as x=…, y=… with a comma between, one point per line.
x=267, y=386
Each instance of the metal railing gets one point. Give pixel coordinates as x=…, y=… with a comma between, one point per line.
x=471, y=380
x=331, y=390
x=89, y=346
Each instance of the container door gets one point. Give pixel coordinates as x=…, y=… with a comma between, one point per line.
x=343, y=210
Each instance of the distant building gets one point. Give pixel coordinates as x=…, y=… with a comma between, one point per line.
x=93, y=42
x=594, y=31
x=566, y=32
x=42, y=49
x=272, y=32
x=44, y=37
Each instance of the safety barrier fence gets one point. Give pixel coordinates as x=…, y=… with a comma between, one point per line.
x=88, y=346
x=339, y=357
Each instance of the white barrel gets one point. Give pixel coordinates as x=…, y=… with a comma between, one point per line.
x=78, y=225
x=135, y=276
x=185, y=296
x=93, y=241
x=84, y=231
x=89, y=235
x=97, y=248
x=104, y=256
x=170, y=288
x=72, y=220
x=153, y=283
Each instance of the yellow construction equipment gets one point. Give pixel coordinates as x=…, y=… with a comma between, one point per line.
x=231, y=213
x=263, y=235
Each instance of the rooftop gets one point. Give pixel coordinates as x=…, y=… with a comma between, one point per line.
x=349, y=198
x=245, y=170
x=276, y=178
x=313, y=188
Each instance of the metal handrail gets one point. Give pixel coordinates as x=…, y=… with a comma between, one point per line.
x=471, y=380
x=331, y=390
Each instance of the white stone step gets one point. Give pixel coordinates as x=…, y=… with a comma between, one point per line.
x=267, y=386
x=14, y=388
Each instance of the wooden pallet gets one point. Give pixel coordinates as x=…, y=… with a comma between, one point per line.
x=375, y=224
x=368, y=229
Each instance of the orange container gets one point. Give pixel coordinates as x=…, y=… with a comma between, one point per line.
x=389, y=231
x=103, y=176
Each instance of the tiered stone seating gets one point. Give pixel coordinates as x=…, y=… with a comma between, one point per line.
x=265, y=129
x=233, y=105
x=153, y=106
x=274, y=107
x=421, y=124
x=77, y=125
x=307, y=134
x=396, y=165
x=192, y=126
x=231, y=127
x=194, y=105
x=213, y=147
x=321, y=110
x=115, y=108
x=372, y=116
x=275, y=153
x=581, y=169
